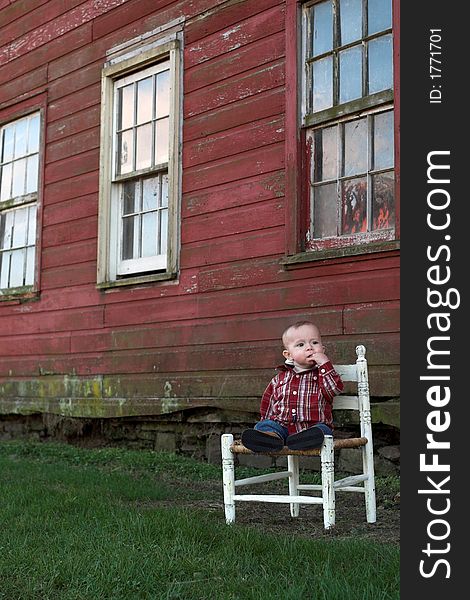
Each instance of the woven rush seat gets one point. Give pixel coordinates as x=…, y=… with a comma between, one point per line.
x=238, y=448
x=324, y=493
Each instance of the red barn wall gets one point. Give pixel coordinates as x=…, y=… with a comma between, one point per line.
x=209, y=340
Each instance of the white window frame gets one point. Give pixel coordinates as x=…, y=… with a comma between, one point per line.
x=27, y=201
x=138, y=59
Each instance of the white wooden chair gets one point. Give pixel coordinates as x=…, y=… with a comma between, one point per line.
x=363, y=483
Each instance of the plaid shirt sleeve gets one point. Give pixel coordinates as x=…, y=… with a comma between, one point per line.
x=266, y=399
x=330, y=382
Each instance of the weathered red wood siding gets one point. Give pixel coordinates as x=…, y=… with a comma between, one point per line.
x=211, y=338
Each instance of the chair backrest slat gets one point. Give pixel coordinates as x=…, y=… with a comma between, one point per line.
x=356, y=372
x=347, y=372
x=346, y=403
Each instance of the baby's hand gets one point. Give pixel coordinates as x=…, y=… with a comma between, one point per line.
x=320, y=358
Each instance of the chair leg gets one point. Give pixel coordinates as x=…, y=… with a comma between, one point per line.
x=293, y=467
x=228, y=475
x=327, y=479
x=369, y=483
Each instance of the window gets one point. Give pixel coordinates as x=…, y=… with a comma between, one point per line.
x=140, y=189
x=19, y=176
x=348, y=122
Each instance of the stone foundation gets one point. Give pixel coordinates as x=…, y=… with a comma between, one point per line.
x=196, y=435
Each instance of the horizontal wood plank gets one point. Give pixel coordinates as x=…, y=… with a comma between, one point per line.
x=69, y=275
x=224, y=15
x=234, y=221
x=74, y=166
x=70, y=210
x=69, y=254
x=251, y=245
x=76, y=187
x=254, y=162
x=237, y=35
x=233, y=141
x=384, y=316
x=43, y=55
x=84, y=99
x=265, y=104
x=29, y=83
x=240, y=356
x=54, y=321
x=73, y=230
x=86, y=140
x=249, y=190
x=235, y=88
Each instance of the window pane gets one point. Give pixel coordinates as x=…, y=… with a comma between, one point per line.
x=380, y=64
x=322, y=34
x=164, y=196
x=126, y=107
x=19, y=177
x=355, y=147
x=8, y=143
x=33, y=135
x=32, y=226
x=161, y=141
x=163, y=231
x=32, y=174
x=5, y=269
x=21, y=137
x=383, y=141
x=354, y=206
x=150, y=194
x=29, y=276
x=144, y=100
x=350, y=74
x=383, y=207
x=126, y=152
x=144, y=147
x=130, y=237
x=130, y=198
x=325, y=211
x=17, y=266
x=326, y=154
x=163, y=94
x=350, y=21
x=5, y=190
x=18, y=233
x=379, y=15
x=6, y=230
x=19, y=227
x=149, y=234
x=322, y=84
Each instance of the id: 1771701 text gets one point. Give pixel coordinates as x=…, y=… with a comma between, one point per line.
x=435, y=65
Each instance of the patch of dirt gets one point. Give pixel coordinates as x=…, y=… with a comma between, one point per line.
x=276, y=518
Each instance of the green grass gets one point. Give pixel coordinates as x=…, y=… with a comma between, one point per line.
x=89, y=525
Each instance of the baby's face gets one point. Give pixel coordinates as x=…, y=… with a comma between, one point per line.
x=301, y=344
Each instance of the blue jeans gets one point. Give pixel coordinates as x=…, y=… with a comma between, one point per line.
x=269, y=426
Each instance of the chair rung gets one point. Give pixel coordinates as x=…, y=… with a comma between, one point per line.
x=338, y=485
x=262, y=478
x=278, y=498
x=352, y=480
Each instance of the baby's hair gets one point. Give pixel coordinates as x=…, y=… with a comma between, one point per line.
x=296, y=326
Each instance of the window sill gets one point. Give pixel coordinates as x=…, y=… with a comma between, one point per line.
x=344, y=252
x=141, y=279
x=18, y=295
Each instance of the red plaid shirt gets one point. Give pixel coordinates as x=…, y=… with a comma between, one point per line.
x=300, y=400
